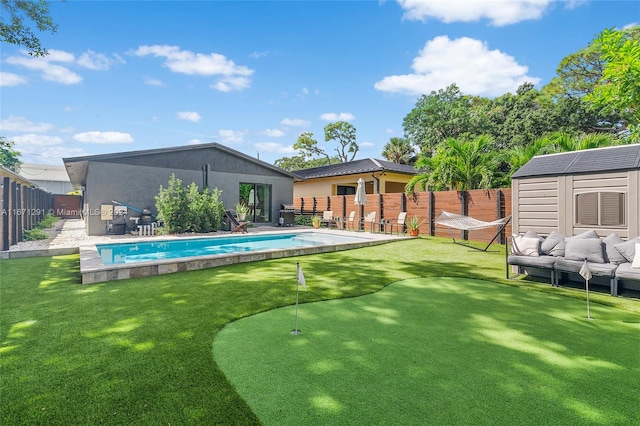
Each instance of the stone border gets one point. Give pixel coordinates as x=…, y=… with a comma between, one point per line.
x=94, y=271
x=19, y=254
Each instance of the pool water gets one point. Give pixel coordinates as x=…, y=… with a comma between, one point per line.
x=122, y=253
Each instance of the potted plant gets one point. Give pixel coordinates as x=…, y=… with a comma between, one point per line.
x=315, y=221
x=241, y=211
x=413, y=225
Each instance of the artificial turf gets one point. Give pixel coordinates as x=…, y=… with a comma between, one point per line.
x=437, y=351
x=139, y=351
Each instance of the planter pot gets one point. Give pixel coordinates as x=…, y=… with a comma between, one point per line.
x=414, y=232
x=242, y=217
x=316, y=225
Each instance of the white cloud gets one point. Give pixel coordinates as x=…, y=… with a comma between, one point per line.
x=189, y=116
x=233, y=77
x=103, y=137
x=229, y=84
x=499, y=12
x=295, y=122
x=95, y=61
x=275, y=147
x=153, y=82
x=20, y=124
x=231, y=136
x=467, y=62
x=258, y=55
x=274, y=133
x=32, y=140
x=332, y=116
x=47, y=67
x=44, y=149
x=367, y=144
x=8, y=79
x=194, y=142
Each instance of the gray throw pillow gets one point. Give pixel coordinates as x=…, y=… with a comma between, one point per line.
x=551, y=242
x=559, y=249
x=613, y=255
x=580, y=248
x=588, y=234
x=628, y=249
x=531, y=234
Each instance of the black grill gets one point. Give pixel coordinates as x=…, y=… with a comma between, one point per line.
x=287, y=215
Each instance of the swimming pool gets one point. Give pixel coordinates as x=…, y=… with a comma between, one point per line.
x=176, y=249
x=150, y=256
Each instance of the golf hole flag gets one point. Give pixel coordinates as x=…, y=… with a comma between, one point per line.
x=301, y=280
x=585, y=272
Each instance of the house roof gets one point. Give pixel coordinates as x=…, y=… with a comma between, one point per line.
x=613, y=158
x=77, y=166
x=367, y=165
x=5, y=172
x=44, y=172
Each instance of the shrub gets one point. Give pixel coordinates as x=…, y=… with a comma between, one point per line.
x=34, y=234
x=189, y=209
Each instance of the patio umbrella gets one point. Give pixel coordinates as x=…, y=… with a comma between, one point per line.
x=361, y=194
x=360, y=198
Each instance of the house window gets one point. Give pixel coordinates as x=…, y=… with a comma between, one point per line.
x=345, y=190
x=600, y=209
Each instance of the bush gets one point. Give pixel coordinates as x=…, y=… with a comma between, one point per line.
x=188, y=209
x=302, y=220
x=34, y=234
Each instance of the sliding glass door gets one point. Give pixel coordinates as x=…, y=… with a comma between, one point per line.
x=257, y=198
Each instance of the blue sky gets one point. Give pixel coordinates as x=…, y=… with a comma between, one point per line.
x=124, y=76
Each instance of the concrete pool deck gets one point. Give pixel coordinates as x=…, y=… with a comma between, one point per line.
x=93, y=269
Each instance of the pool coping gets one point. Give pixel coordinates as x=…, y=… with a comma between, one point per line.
x=94, y=271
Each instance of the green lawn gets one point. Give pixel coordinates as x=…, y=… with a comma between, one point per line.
x=139, y=351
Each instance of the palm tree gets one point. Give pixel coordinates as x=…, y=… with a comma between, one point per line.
x=398, y=150
x=563, y=142
x=459, y=165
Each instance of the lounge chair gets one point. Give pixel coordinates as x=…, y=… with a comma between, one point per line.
x=370, y=218
x=328, y=219
x=234, y=224
x=398, y=223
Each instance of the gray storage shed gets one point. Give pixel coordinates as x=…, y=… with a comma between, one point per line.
x=134, y=178
x=573, y=192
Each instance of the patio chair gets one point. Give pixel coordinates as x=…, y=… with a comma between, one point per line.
x=328, y=219
x=350, y=221
x=398, y=223
x=234, y=224
x=370, y=218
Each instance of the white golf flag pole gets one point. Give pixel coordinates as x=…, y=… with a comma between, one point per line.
x=585, y=272
x=299, y=281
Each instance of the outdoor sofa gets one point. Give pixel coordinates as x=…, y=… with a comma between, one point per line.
x=611, y=260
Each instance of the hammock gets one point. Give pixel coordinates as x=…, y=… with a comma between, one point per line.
x=467, y=223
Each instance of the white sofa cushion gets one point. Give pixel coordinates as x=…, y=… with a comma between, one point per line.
x=525, y=246
x=636, y=259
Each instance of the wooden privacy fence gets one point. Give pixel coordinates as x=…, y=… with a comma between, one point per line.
x=21, y=208
x=486, y=205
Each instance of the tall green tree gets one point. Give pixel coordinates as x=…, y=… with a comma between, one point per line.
x=399, y=150
x=618, y=88
x=9, y=157
x=582, y=73
x=308, y=147
x=440, y=115
x=15, y=21
x=345, y=134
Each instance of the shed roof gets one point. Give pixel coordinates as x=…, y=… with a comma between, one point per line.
x=367, y=165
x=598, y=160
